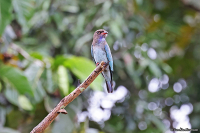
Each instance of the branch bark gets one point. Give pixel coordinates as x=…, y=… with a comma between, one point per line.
x=67, y=99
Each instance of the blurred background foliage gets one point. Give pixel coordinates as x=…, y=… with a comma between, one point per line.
x=45, y=49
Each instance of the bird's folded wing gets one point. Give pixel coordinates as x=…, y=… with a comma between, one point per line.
x=109, y=57
x=92, y=53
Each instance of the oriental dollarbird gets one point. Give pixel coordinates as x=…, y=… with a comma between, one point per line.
x=100, y=51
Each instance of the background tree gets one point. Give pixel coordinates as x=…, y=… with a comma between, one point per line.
x=45, y=49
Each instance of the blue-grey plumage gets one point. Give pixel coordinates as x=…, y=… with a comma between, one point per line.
x=100, y=51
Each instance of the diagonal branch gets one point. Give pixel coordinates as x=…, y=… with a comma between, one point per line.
x=67, y=99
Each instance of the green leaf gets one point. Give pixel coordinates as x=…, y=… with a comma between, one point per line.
x=39, y=92
x=82, y=40
x=23, y=9
x=82, y=68
x=115, y=29
x=12, y=96
x=54, y=38
x=49, y=80
x=16, y=78
x=37, y=55
x=153, y=67
x=166, y=68
x=5, y=14
x=160, y=126
x=33, y=72
x=59, y=60
x=63, y=81
x=25, y=103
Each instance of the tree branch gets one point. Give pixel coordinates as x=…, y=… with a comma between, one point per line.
x=67, y=99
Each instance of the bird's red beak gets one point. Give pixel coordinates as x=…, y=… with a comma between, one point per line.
x=105, y=33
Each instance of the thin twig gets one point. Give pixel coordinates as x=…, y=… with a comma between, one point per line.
x=20, y=50
x=67, y=99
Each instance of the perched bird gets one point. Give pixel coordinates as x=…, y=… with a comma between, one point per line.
x=100, y=51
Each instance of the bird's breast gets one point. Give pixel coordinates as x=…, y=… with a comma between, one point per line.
x=99, y=54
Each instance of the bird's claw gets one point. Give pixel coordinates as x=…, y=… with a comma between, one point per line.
x=97, y=64
x=106, y=64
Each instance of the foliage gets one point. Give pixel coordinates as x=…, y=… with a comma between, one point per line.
x=45, y=49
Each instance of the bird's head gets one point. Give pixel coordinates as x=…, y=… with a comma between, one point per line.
x=100, y=34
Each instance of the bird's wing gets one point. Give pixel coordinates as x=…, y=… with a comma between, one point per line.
x=109, y=57
x=92, y=53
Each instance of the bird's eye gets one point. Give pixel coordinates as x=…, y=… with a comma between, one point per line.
x=98, y=32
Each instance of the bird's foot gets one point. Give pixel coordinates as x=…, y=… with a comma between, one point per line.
x=97, y=63
x=103, y=64
x=106, y=64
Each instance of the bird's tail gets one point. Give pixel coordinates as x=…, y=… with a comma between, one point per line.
x=109, y=86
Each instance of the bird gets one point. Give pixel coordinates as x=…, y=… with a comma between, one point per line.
x=100, y=51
